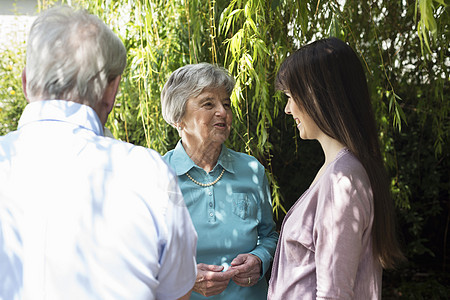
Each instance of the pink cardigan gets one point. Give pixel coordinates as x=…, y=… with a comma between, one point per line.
x=325, y=248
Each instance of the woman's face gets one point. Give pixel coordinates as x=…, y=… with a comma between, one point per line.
x=305, y=125
x=208, y=117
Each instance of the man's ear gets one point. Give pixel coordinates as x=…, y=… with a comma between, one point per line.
x=24, y=84
x=110, y=94
x=105, y=105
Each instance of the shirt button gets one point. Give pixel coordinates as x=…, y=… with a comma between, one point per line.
x=210, y=204
x=210, y=193
x=210, y=214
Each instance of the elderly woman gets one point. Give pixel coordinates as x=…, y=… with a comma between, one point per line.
x=226, y=192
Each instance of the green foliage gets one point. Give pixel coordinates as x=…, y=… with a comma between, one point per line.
x=12, y=100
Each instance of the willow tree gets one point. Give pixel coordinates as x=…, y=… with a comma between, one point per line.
x=401, y=43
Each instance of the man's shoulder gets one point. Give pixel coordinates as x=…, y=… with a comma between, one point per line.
x=127, y=150
x=142, y=171
x=129, y=156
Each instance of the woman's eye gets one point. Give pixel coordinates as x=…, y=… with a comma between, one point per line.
x=207, y=104
x=227, y=105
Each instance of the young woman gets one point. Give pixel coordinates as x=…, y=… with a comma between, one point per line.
x=340, y=234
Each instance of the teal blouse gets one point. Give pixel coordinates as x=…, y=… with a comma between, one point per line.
x=231, y=217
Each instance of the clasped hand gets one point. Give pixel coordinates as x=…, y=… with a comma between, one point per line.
x=244, y=271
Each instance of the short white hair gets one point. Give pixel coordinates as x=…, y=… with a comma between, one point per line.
x=71, y=55
x=188, y=82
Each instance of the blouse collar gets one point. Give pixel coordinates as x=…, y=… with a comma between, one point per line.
x=182, y=163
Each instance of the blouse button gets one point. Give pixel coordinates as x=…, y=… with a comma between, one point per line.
x=210, y=193
x=210, y=214
x=210, y=204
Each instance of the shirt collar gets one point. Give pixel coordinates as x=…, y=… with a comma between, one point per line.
x=182, y=163
x=63, y=111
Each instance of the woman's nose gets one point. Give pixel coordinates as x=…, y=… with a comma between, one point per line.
x=221, y=110
x=287, y=109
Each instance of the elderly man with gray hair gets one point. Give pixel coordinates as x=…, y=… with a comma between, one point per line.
x=83, y=216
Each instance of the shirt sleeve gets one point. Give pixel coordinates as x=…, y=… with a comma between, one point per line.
x=267, y=236
x=341, y=219
x=178, y=267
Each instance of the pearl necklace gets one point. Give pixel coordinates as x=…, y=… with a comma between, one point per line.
x=206, y=184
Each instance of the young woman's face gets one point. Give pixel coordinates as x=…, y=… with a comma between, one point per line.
x=305, y=125
x=208, y=117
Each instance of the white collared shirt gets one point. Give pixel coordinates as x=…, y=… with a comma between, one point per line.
x=88, y=217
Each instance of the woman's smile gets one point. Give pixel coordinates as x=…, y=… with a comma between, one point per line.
x=220, y=125
x=305, y=125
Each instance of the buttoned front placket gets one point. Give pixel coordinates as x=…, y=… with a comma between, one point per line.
x=211, y=204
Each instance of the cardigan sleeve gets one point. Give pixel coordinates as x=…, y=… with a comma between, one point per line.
x=343, y=215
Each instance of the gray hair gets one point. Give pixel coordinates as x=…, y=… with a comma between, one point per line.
x=71, y=55
x=188, y=82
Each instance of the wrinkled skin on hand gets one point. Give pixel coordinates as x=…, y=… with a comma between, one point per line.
x=211, y=280
x=249, y=266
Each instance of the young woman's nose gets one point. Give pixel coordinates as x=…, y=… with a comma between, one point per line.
x=287, y=108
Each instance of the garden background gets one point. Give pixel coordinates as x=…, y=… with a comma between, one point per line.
x=403, y=45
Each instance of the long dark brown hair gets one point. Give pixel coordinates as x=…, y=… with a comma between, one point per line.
x=327, y=79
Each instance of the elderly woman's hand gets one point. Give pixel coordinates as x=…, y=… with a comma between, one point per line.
x=249, y=267
x=211, y=280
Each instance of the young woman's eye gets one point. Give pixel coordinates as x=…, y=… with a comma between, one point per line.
x=287, y=96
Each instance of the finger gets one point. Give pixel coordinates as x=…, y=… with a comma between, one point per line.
x=247, y=268
x=251, y=272
x=243, y=268
x=244, y=279
x=252, y=263
x=204, y=267
x=214, y=268
x=245, y=282
x=215, y=290
x=238, y=260
x=209, y=288
x=224, y=275
x=217, y=276
x=231, y=272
